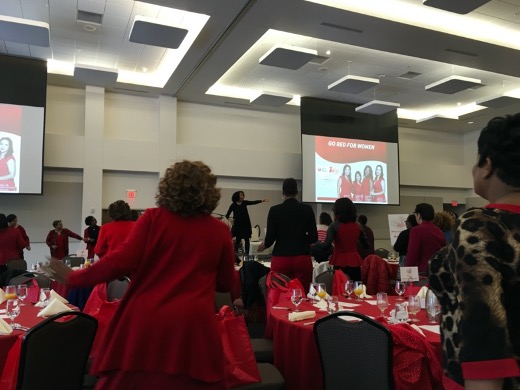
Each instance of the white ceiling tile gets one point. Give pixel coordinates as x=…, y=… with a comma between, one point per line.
x=11, y=8
x=66, y=56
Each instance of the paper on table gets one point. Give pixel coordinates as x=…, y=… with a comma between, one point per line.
x=2, y=296
x=322, y=305
x=373, y=303
x=54, y=307
x=5, y=328
x=302, y=315
x=431, y=328
x=346, y=304
x=54, y=294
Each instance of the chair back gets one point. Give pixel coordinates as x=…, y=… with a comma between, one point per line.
x=222, y=299
x=75, y=261
x=382, y=252
x=116, y=289
x=42, y=280
x=54, y=353
x=358, y=351
x=326, y=277
x=17, y=264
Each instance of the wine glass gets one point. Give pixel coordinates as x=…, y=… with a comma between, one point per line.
x=10, y=292
x=321, y=292
x=12, y=309
x=358, y=289
x=332, y=304
x=349, y=288
x=382, y=302
x=433, y=308
x=22, y=293
x=414, y=306
x=296, y=297
x=45, y=296
x=400, y=288
x=313, y=291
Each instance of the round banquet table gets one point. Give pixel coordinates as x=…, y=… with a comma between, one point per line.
x=294, y=346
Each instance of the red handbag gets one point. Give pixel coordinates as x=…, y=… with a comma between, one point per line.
x=239, y=358
x=33, y=291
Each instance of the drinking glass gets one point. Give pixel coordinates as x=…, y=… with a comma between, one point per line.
x=433, y=308
x=321, y=292
x=313, y=291
x=296, y=297
x=382, y=302
x=12, y=309
x=349, y=288
x=332, y=304
x=10, y=292
x=358, y=289
x=68, y=263
x=414, y=306
x=45, y=296
x=22, y=293
x=400, y=288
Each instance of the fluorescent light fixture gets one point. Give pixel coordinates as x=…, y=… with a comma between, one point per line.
x=498, y=101
x=148, y=32
x=437, y=118
x=24, y=31
x=287, y=56
x=452, y=84
x=60, y=67
x=377, y=107
x=94, y=75
x=271, y=99
x=353, y=84
x=459, y=6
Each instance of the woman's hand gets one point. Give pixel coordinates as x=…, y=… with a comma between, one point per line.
x=58, y=271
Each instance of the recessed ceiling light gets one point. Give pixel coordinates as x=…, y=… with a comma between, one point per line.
x=89, y=28
x=327, y=52
x=145, y=69
x=470, y=122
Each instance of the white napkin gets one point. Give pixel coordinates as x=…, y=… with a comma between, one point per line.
x=2, y=296
x=54, y=307
x=431, y=328
x=54, y=294
x=5, y=328
x=346, y=304
x=422, y=292
x=364, y=294
x=322, y=305
x=416, y=328
x=301, y=315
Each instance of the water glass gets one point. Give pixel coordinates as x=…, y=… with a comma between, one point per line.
x=22, y=293
x=414, y=306
x=349, y=288
x=45, y=296
x=382, y=302
x=332, y=304
x=433, y=308
x=296, y=297
x=12, y=309
x=400, y=288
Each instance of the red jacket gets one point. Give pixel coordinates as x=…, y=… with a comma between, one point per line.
x=374, y=274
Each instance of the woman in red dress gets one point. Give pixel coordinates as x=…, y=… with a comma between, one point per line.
x=58, y=240
x=345, y=183
x=164, y=333
x=7, y=165
x=378, y=190
x=114, y=233
x=357, y=188
x=367, y=184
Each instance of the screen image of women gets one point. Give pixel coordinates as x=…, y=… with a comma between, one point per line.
x=357, y=188
x=7, y=165
x=378, y=188
x=367, y=183
x=345, y=183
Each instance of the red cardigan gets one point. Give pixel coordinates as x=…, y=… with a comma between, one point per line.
x=374, y=274
x=111, y=235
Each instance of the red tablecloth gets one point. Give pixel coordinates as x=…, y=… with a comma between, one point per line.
x=295, y=351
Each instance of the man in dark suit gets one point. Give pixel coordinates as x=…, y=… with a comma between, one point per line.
x=425, y=239
x=291, y=227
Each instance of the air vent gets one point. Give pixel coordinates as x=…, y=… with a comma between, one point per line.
x=129, y=90
x=89, y=17
x=319, y=60
x=409, y=75
x=464, y=53
x=340, y=27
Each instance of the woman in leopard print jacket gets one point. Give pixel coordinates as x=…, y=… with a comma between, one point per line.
x=476, y=277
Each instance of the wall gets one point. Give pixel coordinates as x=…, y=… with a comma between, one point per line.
x=100, y=144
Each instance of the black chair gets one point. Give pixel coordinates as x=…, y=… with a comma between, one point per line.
x=382, y=252
x=326, y=277
x=54, y=353
x=42, y=280
x=17, y=264
x=271, y=379
x=75, y=261
x=357, y=352
x=116, y=289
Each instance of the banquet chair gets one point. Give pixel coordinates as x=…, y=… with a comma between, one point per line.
x=271, y=379
x=358, y=351
x=43, y=280
x=54, y=352
x=326, y=277
x=382, y=252
x=75, y=261
x=116, y=288
x=17, y=264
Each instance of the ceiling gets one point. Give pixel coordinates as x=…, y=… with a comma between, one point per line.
x=218, y=61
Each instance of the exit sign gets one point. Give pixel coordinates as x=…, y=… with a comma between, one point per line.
x=131, y=194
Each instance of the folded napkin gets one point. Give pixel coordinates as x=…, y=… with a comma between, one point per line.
x=301, y=315
x=364, y=294
x=322, y=305
x=5, y=328
x=54, y=294
x=2, y=296
x=416, y=328
x=422, y=292
x=54, y=307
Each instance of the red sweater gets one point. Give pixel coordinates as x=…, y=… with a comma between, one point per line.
x=111, y=235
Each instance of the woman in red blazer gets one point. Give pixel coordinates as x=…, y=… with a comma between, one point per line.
x=164, y=334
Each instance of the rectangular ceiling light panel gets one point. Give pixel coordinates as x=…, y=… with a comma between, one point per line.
x=288, y=57
x=28, y=32
x=148, y=32
x=457, y=6
x=377, y=107
x=271, y=99
x=92, y=75
x=441, y=119
x=452, y=84
x=498, y=101
x=353, y=84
